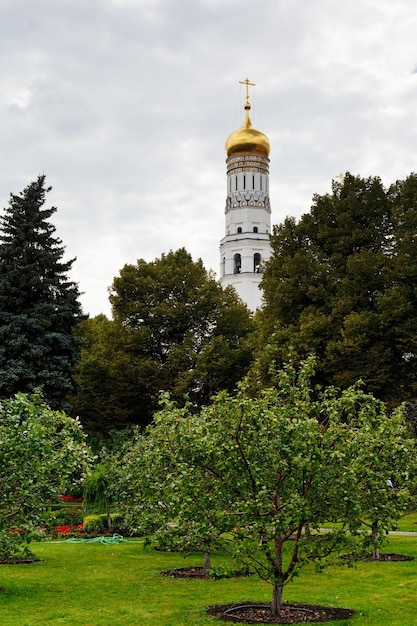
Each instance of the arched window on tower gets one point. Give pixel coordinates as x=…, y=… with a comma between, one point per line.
x=239, y=229
x=257, y=263
x=237, y=263
x=255, y=229
x=223, y=266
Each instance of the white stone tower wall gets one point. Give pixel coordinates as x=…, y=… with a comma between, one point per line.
x=248, y=225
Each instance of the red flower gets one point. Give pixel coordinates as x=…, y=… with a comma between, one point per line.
x=70, y=499
x=66, y=529
x=63, y=530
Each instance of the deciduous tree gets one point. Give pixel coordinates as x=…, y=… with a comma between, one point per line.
x=43, y=453
x=174, y=328
x=341, y=283
x=385, y=462
x=115, y=384
x=248, y=475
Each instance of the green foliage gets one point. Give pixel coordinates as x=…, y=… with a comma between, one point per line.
x=38, y=303
x=175, y=329
x=43, y=453
x=93, y=524
x=14, y=546
x=249, y=475
x=341, y=283
x=98, y=492
x=66, y=515
x=100, y=523
x=112, y=382
x=385, y=457
x=219, y=572
x=96, y=489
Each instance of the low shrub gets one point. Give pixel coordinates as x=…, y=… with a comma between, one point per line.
x=14, y=546
x=116, y=522
x=93, y=524
x=68, y=515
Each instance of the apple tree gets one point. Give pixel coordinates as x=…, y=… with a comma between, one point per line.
x=43, y=453
x=385, y=462
x=254, y=475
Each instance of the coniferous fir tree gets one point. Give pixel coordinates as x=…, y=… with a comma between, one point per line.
x=39, y=305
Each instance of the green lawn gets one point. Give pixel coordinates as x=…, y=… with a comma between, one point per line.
x=408, y=522
x=103, y=585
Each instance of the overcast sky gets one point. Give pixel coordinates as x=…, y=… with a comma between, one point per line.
x=125, y=105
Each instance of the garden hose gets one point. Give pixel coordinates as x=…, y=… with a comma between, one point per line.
x=106, y=540
x=101, y=539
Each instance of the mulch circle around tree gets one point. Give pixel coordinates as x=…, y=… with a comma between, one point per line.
x=186, y=572
x=18, y=561
x=195, y=572
x=384, y=557
x=389, y=556
x=258, y=613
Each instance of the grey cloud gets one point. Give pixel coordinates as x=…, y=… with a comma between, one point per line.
x=126, y=105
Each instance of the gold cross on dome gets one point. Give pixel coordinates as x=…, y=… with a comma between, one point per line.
x=340, y=177
x=247, y=83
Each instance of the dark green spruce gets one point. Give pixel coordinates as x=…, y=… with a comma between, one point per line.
x=39, y=304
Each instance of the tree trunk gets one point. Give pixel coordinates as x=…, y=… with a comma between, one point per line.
x=276, y=599
x=375, y=546
x=207, y=561
x=278, y=580
x=109, y=519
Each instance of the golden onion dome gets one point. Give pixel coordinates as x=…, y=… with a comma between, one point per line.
x=247, y=140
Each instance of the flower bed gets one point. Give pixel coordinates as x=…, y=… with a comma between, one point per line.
x=78, y=530
x=70, y=498
x=69, y=530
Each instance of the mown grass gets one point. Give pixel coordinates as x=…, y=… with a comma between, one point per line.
x=99, y=585
x=408, y=523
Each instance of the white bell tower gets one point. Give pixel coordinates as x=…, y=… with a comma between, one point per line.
x=245, y=246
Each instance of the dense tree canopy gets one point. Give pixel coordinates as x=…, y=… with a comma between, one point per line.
x=38, y=303
x=174, y=328
x=248, y=475
x=385, y=451
x=342, y=282
x=115, y=384
x=43, y=453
